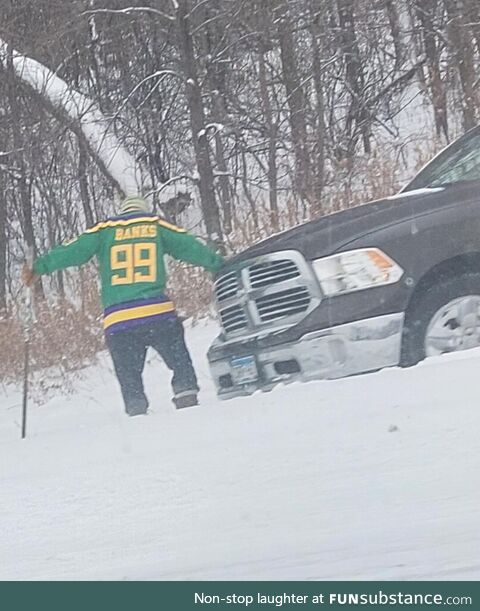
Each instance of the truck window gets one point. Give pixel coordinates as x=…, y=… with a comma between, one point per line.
x=460, y=162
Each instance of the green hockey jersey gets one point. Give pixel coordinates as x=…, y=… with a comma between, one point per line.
x=130, y=250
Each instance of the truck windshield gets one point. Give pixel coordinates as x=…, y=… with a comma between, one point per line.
x=460, y=162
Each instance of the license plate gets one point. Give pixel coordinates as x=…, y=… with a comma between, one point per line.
x=244, y=370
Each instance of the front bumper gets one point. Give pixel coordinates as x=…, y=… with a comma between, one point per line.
x=336, y=352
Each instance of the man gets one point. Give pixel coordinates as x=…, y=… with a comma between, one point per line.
x=130, y=249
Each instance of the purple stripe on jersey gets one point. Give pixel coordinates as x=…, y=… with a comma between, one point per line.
x=138, y=303
x=129, y=324
x=132, y=215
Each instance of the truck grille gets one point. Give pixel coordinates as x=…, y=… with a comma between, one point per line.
x=233, y=318
x=284, y=303
x=226, y=286
x=271, y=272
x=272, y=292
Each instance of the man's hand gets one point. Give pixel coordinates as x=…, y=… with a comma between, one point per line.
x=28, y=276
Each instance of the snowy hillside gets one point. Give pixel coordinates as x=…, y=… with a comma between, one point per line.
x=373, y=477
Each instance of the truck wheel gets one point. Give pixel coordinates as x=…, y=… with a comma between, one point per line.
x=444, y=319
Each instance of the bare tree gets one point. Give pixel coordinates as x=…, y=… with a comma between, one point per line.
x=198, y=123
x=240, y=117
x=463, y=58
x=425, y=10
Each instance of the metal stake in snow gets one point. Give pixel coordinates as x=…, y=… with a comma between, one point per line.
x=28, y=320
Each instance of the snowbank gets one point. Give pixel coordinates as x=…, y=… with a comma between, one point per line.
x=372, y=477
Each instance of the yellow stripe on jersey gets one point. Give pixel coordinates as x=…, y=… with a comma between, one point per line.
x=106, y=224
x=170, y=226
x=140, y=219
x=139, y=312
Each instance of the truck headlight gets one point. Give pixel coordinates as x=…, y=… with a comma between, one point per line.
x=356, y=270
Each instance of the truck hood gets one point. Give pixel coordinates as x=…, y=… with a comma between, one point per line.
x=326, y=235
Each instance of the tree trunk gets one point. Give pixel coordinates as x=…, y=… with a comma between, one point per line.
x=271, y=137
x=3, y=243
x=425, y=10
x=14, y=94
x=473, y=16
x=394, y=22
x=463, y=57
x=217, y=85
x=295, y=100
x=23, y=182
x=83, y=183
x=197, y=120
x=355, y=77
x=316, y=29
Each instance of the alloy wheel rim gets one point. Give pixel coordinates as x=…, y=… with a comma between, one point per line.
x=454, y=327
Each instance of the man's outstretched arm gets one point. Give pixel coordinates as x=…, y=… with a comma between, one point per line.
x=185, y=247
x=70, y=254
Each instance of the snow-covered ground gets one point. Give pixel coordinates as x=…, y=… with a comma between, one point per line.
x=372, y=477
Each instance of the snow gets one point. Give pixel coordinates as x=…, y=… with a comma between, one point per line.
x=131, y=10
x=416, y=192
x=372, y=477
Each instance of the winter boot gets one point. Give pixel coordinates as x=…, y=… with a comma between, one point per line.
x=137, y=410
x=187, y=398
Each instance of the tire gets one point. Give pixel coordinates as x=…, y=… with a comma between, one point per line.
x=446, y=296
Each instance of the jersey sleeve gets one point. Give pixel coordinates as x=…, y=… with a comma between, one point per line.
x=185, y=247
x=70, y=254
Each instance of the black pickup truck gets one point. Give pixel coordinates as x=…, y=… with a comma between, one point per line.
x=386, y=283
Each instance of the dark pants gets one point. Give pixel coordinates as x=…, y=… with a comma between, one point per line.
x=129, y=348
